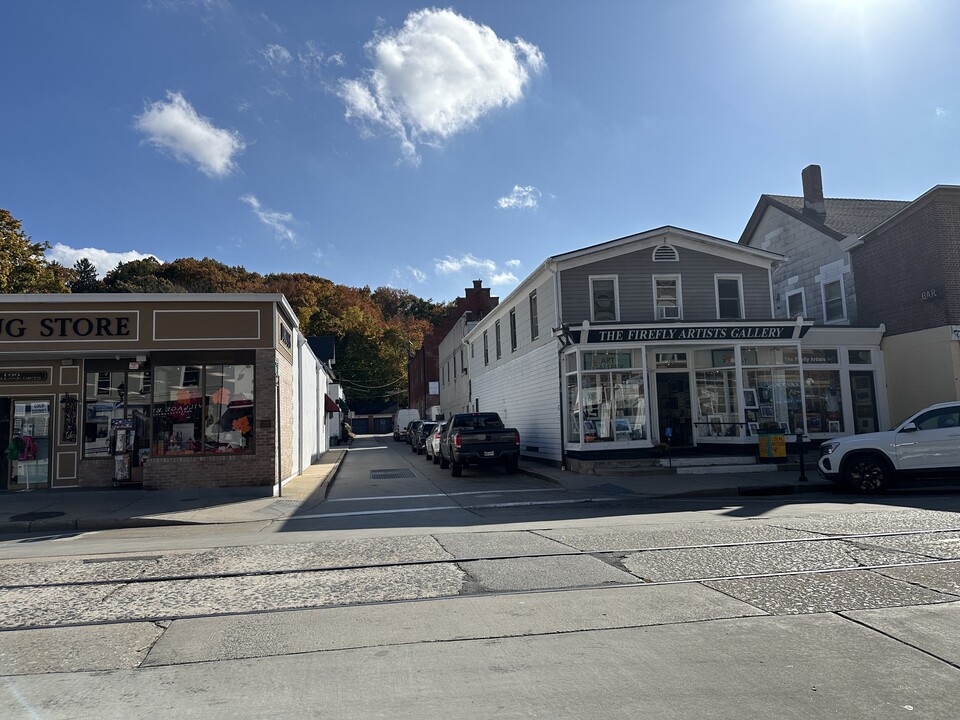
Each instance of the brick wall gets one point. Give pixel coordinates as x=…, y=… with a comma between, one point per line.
x=918, y=253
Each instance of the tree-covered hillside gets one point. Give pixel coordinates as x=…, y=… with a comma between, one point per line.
x=375, y=329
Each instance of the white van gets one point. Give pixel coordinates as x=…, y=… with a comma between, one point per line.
x=401, y=420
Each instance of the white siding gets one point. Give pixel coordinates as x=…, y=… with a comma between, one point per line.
x=526, y=393
x=311, y=431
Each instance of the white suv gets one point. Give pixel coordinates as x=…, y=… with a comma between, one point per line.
x=926, y=443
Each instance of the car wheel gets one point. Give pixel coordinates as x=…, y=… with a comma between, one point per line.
x=436, y=460
x=413, y=449
x=456, y=469
x=866, y=473
x=512, y=465
x=444, y=463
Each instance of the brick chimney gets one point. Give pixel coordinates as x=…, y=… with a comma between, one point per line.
x=813, y=205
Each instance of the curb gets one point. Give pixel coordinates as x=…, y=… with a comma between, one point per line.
x=84, y=524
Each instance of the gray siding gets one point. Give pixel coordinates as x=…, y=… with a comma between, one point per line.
x=635, y=271
x=811, y=257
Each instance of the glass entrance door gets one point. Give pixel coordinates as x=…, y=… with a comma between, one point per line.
x=673, y=406
x=27, y=449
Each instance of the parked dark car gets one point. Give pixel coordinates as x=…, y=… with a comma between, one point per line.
x=421, y=433
x=478, y=439
x=411, y=428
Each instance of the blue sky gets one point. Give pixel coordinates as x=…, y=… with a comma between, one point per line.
x=422, y=147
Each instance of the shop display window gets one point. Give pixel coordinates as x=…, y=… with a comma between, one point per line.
x=116, y=395
x=777, y=399
x=201, y=409
x=824, y=404
x=228, y=408
x=104, y=403
x=608, y=404
x=718, y=403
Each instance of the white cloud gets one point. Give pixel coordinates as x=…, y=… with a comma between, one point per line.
x=451, y=265
x=503, y=278
x=103, y=260
x=941, y=113
x=279, y=221
x=523, y=196
x=436, y=76
x=419, y=275
x=313, y=60
x=175, y=126
x=277, y=56
x=512, y=263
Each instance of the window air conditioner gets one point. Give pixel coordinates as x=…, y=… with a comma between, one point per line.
x=668, y=312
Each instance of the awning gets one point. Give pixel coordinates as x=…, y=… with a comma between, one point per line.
x=329, y=404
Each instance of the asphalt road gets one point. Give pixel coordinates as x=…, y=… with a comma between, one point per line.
x=409, y=593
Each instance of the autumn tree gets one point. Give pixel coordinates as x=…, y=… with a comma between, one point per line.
x=208, y=276
x=24, y=267
x=85, y=277
x=139, y=276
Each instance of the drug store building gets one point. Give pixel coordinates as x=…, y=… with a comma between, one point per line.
x=167, y=390
x=665, y=336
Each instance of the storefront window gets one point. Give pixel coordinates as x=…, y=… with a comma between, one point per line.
x=821, y=356
x=718, y=403
x=116, y=395
x=824, y=403
x=228, y=408
x=772, y=400
x=177, y=410
x=104, y=399
x=607, y=406
x=666, y=361
x=859, y=357
x=203, y=409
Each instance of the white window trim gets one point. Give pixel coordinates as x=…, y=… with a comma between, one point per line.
x=716, y=292
x=616, y=296
x=803, y=302
x=656, y=305
x=843, y=301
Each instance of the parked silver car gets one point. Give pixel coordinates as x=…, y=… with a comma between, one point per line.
x=432, y=446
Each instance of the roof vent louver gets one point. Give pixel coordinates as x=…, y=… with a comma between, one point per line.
x=665, y=253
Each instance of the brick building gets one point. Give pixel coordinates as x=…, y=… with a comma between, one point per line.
x=423, y=370
x=908, y=279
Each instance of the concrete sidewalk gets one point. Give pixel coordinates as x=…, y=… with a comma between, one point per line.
x=74, y=510
x=78, y=510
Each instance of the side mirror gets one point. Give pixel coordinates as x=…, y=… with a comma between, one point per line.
x=909, y=427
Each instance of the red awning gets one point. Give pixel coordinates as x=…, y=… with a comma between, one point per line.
x=329, y=404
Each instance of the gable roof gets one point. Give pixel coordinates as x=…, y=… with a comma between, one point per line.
x=629, y=243
x=844, y=217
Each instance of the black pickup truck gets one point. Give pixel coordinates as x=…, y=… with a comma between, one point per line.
x=478, y=439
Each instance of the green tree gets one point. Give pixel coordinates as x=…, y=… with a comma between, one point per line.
x=139, y=276
x=86, y=278
x=24, y=267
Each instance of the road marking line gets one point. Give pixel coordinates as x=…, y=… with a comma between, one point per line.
x=472, y=492
x=438, y=507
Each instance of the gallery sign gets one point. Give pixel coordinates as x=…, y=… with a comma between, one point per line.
x=18, y=377
x=683, y=333
x=37, y=326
